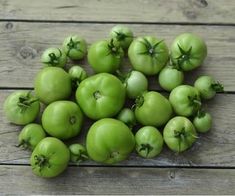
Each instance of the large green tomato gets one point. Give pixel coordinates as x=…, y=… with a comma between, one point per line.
x=109, y=141
x=52, y=84
x=179, y=134
x=208, y=87
x=105, y=56
x=153, y=109
x=62, y=119
x=148, y=54
x=50, y=157
x=122, y=34
x=100, y=96
x=21, y=107
x=185, y=100
x=75, y=47
x=188, y=51
x=149, y=142
x=31, y=135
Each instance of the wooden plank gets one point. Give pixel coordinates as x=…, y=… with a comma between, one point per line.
x=161, y=11
x=214, y=149
x=23, y=43
x=115, y=180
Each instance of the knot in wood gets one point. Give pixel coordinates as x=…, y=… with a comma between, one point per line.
x=27, y=52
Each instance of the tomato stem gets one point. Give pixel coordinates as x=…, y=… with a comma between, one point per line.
x=147, y=148
x=97, y=95
x=217, y=87
x=139, y=101
x=41, y=161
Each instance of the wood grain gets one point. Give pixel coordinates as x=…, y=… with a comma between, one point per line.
x=115, y=180
x=23, y=43
x=214, y=149
x=150, y=11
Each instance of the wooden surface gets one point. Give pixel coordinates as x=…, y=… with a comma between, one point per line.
x=26, y=29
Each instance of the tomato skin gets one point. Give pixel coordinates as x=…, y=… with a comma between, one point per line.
x=75, y=47
x=109, y=141
x=203, y=123
x=149, y=142
x=52, y=84
x=105, y=56
x=122, y=34
x=207, y=86
x=100, y=96
x=169, y=78
x=62, y=119
x=185, y=100
x=50, y=158
x=148, y=55
x=136, y=83
x=21, y=107
x=181, y=54
x=153, y=109
x=31, y=135
x=54, y=57
x=78, y=153
x=127, y=116
x=179, y=134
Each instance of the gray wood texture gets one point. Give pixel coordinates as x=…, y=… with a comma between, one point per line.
x=150, y=11
x=28, y=27
x=23, y=43
x=118, y=180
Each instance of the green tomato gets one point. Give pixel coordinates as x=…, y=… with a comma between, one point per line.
x=153, y=109
x=52, y=84
x=50, y=158
x=21, y=107
x=101, y=95
x=202, y=122
x=185, y=100
x=62, y=119
x=77, y=75
x=208, y=87
x=31, y=135
x=188, y=51
x=127, y=116
x=54, y=57
x=109, y=141
x=149, y=142
x=78, y=153
x=148, y=55
x=75, y=47
x=179, y=134
x=136, y=83
x=122, y=34
x=170, y=77
x=105, y=56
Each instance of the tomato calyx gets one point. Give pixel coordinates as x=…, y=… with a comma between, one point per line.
x=120, y=36
x=54, y=60
x=201, y=113
x=150, y=49
x=114, y=49
x=193, y=101
x=139, y=101
x=113, y=154
x=25, y=144
x=146, y=147
x=41, y=161
x=97, y=95
x=26, y=101
x=217, y=87
x=185, y=55
x=73, y=45
x=78, y=158
x=72, y=120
